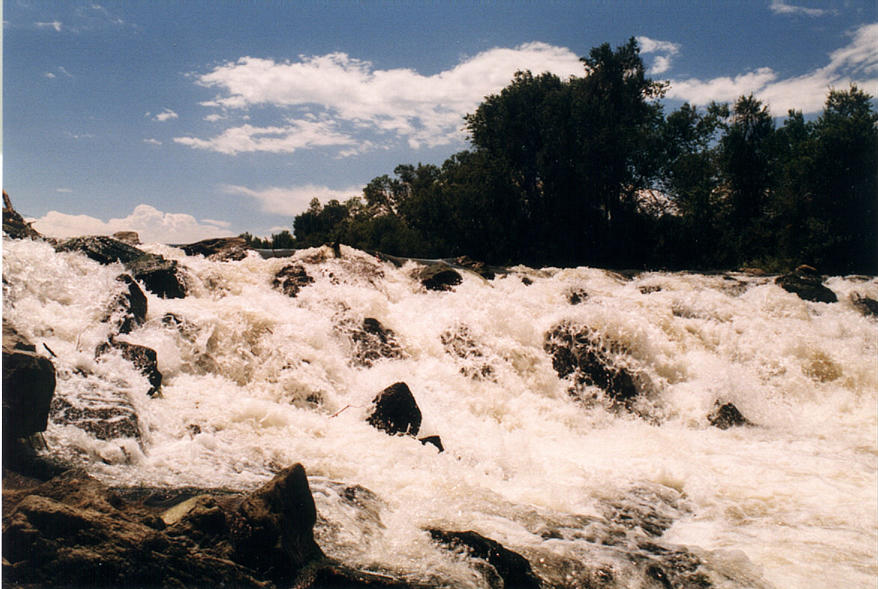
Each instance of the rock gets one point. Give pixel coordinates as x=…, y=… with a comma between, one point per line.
x=459, y=343
x=395, y=411
x=592, y=360
x=807, y=284
x=329, y=575
x=650, y=288
x=221, y=249
x=479, y=268
x=434, y=440
x=865, y=305
x=129, y=237
x=372, y=341
x=511, y=567
x=159, y=275
x=143, y=358
x=28, y=387
x=106, y=414
x=726, y=415
x=439, y=276
x=576, y=296
x=291, y=279
x=275, y=532
x=14, y=224
x=128, y=309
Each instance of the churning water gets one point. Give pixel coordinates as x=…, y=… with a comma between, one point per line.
x=255, y=380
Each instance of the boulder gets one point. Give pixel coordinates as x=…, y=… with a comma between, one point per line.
x=865, y=305
x=28, y=387
x=128, y=309
x=476, y=266
x=592, y=360
x=395, y=411
x=726, y=415
x=143, y=358
x=372, y=341
x=274, y=534
x=291, y=279
x=576, y=296
x=129, y=237
x=105, y=413
x=220, y=249
x=439, y=276
x=159, y=275
x=14, y=224
x=807, y=285
x=513, y=569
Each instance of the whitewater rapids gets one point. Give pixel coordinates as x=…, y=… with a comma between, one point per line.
x=255, y=381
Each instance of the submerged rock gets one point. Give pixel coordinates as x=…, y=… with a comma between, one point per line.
x=726, y=415
x=143, y=358
x=127, y=310
x=807, y=285
x=865, y=305
x=395, y=411
x=221, y=249
x=459, y=343
x=291, y=279
x=160, y=276
x=476, y=266
x=576, y=296
x=106, y=414
x=372, y=341
x=439, y=276
x=513, y=569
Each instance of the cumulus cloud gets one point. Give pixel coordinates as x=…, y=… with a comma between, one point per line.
x=666, y=50
x=150, y=223
x=292, y=200
x=856, y=62
x=166, y=115
x=781, y=7
x=349, y=95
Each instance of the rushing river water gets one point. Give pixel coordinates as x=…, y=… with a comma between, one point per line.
x=255, y=380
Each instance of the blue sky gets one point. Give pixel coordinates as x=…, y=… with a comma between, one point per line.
x=186, y=120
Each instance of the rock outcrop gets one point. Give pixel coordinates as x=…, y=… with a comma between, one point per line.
x=28, y=387
x=14, y=224
x=807, y=285
x=220, y=249
x=128, y=310
x=159, y=275
x=439, y=276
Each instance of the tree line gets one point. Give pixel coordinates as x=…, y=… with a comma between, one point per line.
x=591, y=171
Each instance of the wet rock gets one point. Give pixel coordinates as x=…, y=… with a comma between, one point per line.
x=159, y=275
x=865, y=305
x=106, y=416
x=14, y=224
x=590, y=359
x=129, y=237
x=576, y=296
x=274, y=534
x=372, y=341
x=395, y=411
x=28, y=386
x=459, y=343
x=143, y=358
x=439, y=276
x=335, y=575
x=221, y=249
x=291, y=279
x=650, y=288
x=511, y=567
x=807, y=285
x=476, y=266
x=127, y=310
x=433, y=440
x=726, y=415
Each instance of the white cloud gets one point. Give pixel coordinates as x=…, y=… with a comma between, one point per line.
x=212, y=118
x=292, y=200
x=165, y=115
x=349, y=95
x=288, y=138
x=150, y=223
x=216, y=222
x=856, y=62
x=63, y=190
x=666, y=50
x=781, y=7
x=152, y=141
x=55, y=24
x=49, y=75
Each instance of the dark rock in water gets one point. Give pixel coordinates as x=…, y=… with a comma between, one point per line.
x=435, y=440
x=221, y=249
x=275, y=534
x=129, y=237
x=579, y=351
x=459, y=343
x=807, y=284
x=372, y=341
x=128, y=310
x=396, y=411
x=650, y=288
x=726, y=416
x=865, y=305
x=512, y=568
x=439, y=276
x=290, y=279
x=334, y=575
x=28, y=387
x=143, y=358
x=476, y=266
x=576, y=296
x=107, y=417
x=158, y=274
x=14, y=224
